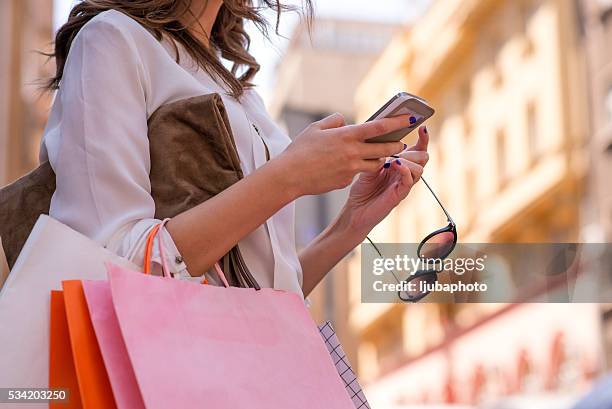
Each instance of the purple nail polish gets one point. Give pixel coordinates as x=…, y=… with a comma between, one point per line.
x=405, y=146
x=387, y=165
x=425, y=129
x=399, y=162
x=412, y=120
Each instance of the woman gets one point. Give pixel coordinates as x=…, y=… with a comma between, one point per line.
x=120, y=60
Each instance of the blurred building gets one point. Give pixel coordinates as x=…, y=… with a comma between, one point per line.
x=597, y=36
x=509, y=158
x=25, y=28
x=318, y=76
x=321, y=69
x=596, y=32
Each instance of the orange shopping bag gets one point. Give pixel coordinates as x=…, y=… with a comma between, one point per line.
x=94, y=386
x=62, y=373
x=75, y=359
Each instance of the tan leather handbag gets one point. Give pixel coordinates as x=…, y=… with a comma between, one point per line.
x=193, y=157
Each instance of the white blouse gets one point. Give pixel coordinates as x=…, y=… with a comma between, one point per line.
x=116, y=75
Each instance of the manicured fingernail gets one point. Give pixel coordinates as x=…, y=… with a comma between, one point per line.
x=425, y=129
x=399, y=162
x=387, y=165
x=405, y=146
x=412, y=120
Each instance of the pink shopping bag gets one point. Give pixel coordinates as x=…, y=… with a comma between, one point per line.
x=194, y=346
x=116, y=360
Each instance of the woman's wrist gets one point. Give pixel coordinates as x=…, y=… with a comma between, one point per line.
x=328, y=248
x=348, y=226
x=284, y=177
x=349, y=220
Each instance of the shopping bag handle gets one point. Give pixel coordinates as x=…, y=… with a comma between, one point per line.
x=155, y=232
x=149, y=251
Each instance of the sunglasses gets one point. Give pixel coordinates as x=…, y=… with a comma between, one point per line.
x=434, y=248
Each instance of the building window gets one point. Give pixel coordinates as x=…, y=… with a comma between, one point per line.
x=527, y=9
x=498, y=75
x=502, y=164
x=491, y=44
x=467, y=127
x=465, y=98
x=440, y=162
x=498, y=44
x=533, y=139
x=471, y=192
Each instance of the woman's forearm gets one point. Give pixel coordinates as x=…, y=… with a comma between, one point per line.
x=208, y=231
x=327, y=249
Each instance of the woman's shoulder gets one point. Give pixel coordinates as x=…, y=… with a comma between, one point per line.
x=117, y=20
x=115, y=25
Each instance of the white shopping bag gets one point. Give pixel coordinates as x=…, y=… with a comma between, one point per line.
x=52, y=253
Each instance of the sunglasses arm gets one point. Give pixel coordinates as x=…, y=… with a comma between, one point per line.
x=448, y=217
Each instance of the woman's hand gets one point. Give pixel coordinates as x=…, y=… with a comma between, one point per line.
x=376, y=193
x=328, y=154
x=371, y=198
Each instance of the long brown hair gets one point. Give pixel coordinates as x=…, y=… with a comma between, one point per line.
x=228, y=36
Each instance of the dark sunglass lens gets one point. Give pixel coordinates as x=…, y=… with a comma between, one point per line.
x=416, y=290
x=438, y=246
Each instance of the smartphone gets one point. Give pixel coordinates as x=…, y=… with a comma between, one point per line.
x=402, y=104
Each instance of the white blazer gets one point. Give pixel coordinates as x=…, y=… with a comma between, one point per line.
x=116, y=75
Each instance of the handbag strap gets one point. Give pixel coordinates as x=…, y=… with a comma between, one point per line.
x=155, y=232
x=233, y=261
